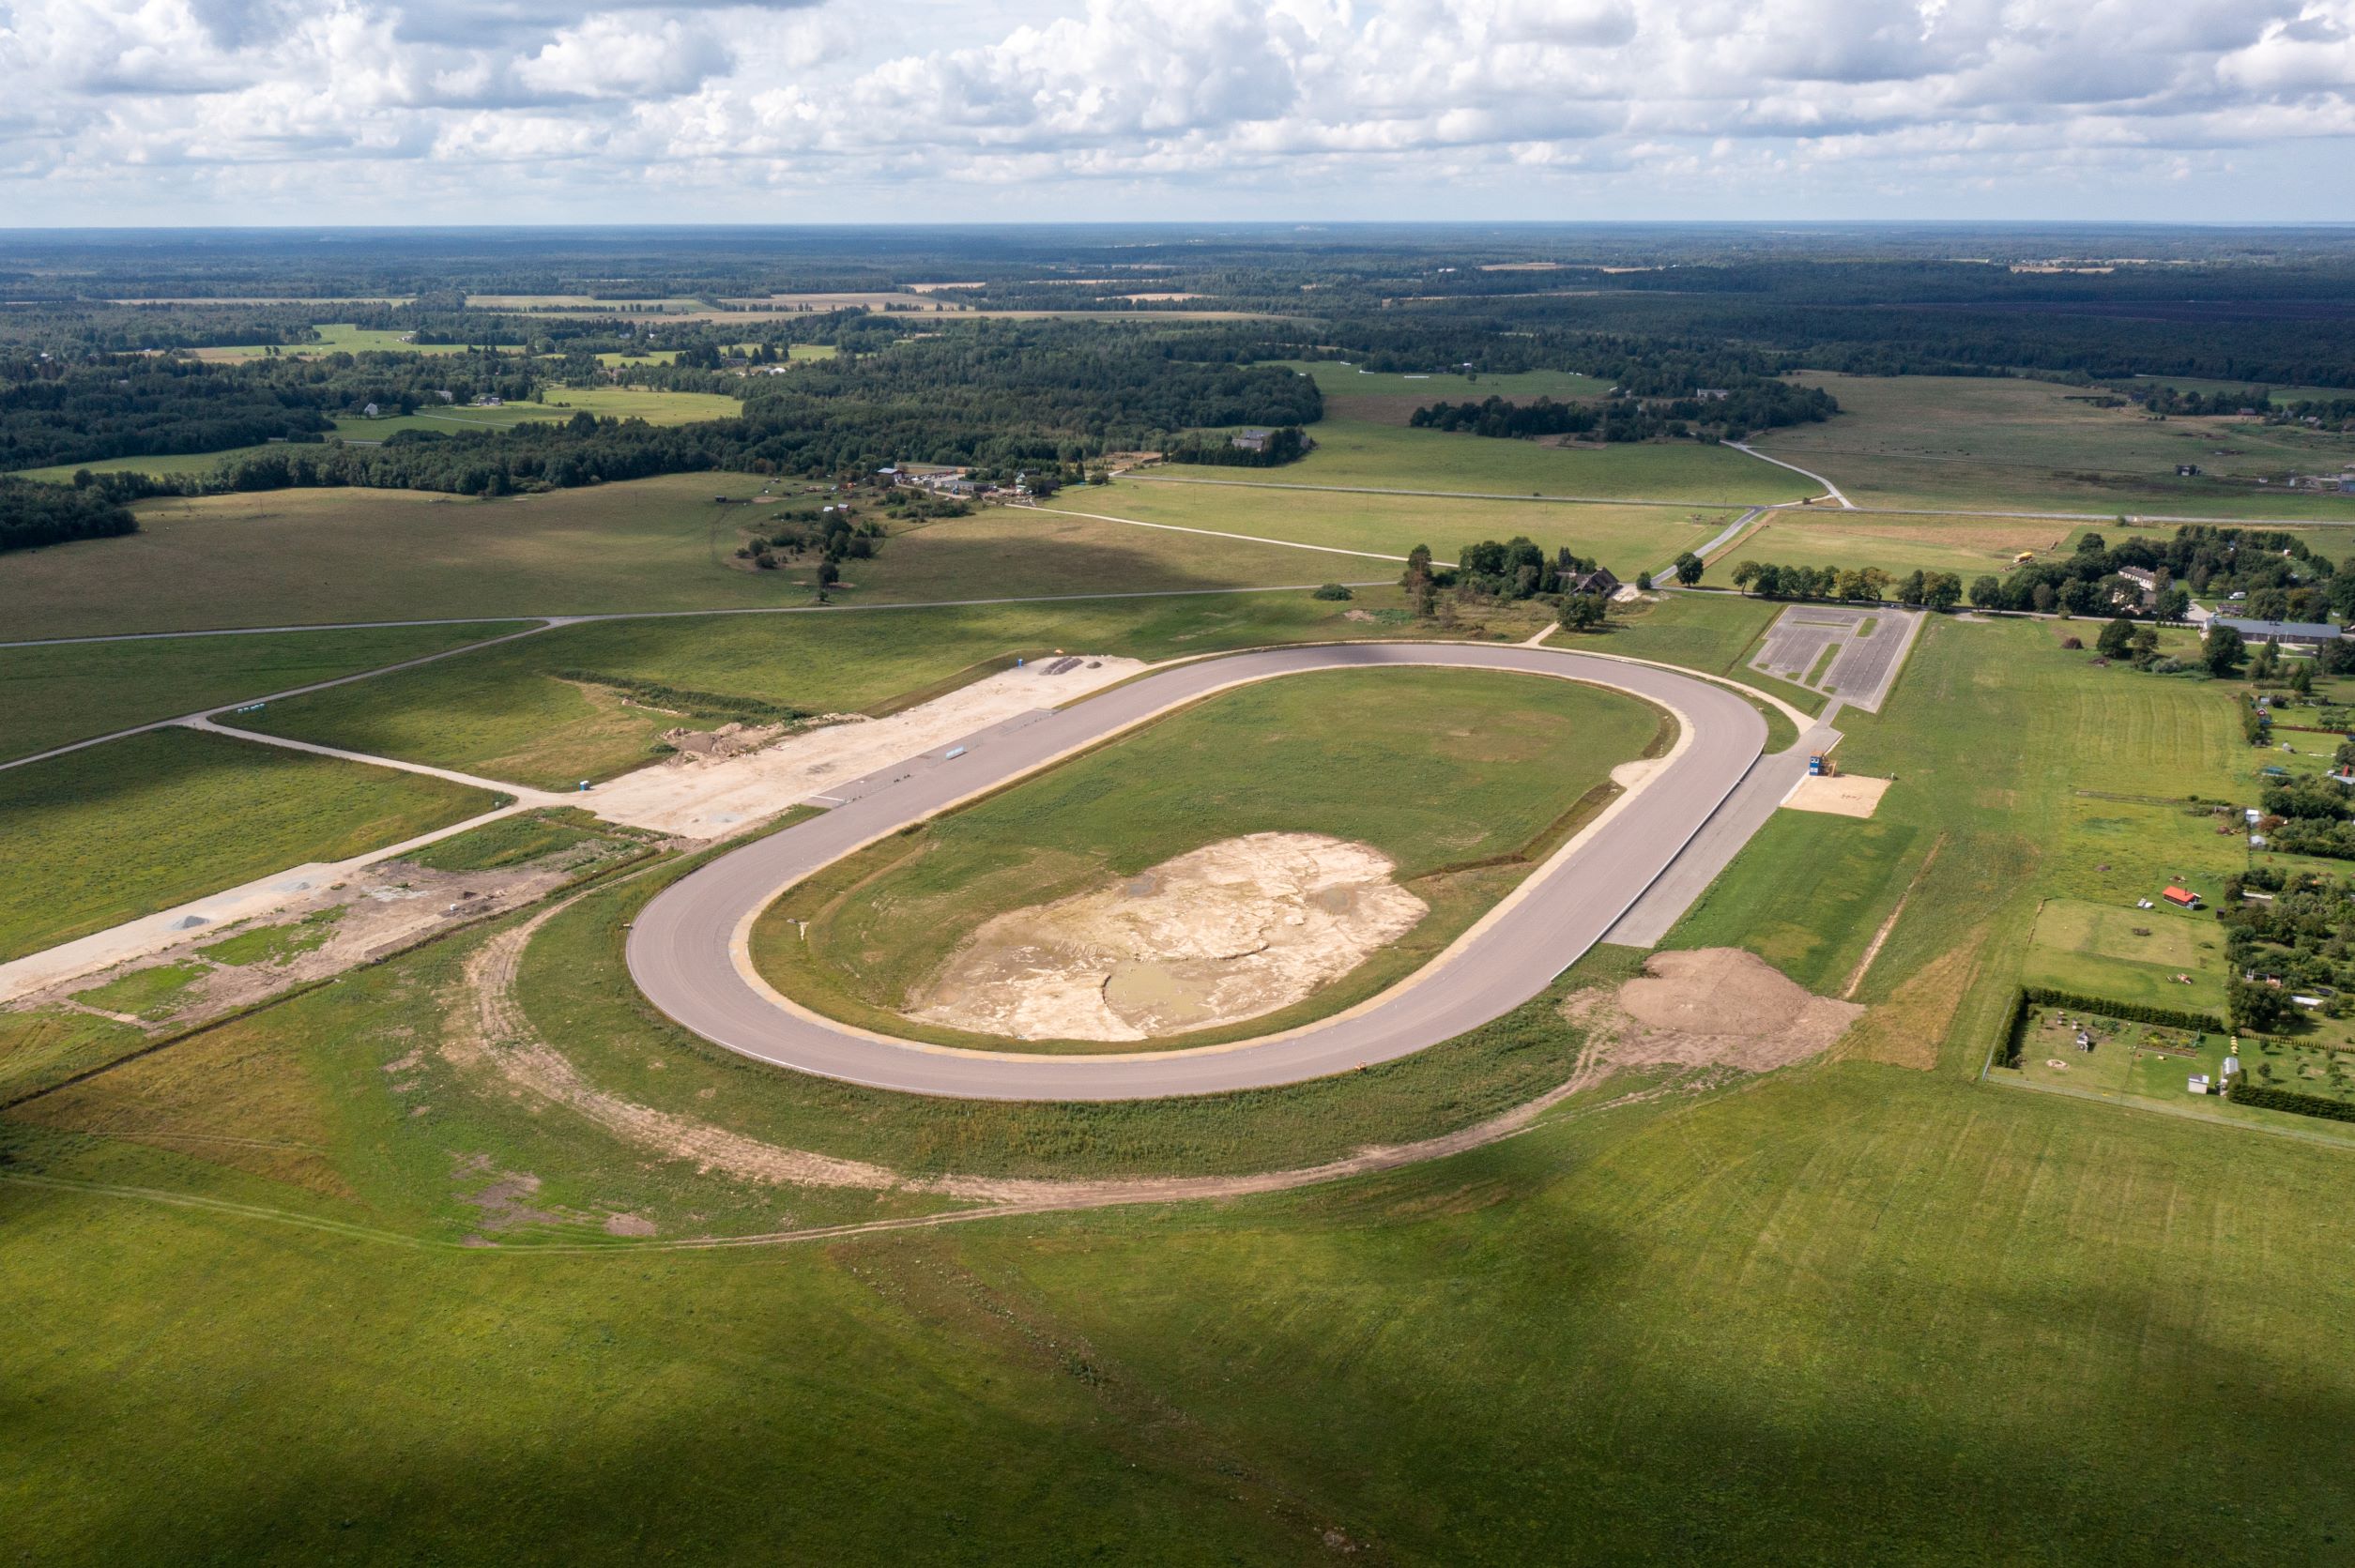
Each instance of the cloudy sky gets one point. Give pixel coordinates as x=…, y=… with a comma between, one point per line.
x=485, y=111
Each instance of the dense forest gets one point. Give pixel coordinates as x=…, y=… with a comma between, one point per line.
x=1724, y=413
x=34, y=514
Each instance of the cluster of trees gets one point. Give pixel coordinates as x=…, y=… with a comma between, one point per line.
x=2300, y=935
x=2169, y=400
x=1757, y=405
x=34, y=514
x=1288, y=445
x=1513, y=572
x=1936, y=590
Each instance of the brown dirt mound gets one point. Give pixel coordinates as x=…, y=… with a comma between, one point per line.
x=1717, y=1007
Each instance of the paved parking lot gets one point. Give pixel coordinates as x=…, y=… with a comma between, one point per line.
x=1866, y=660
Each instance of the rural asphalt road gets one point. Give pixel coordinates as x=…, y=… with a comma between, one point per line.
x=683, y=948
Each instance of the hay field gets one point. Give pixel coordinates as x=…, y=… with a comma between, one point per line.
x=1982, y=443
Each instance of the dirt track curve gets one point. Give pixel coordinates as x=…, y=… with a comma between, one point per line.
x=688, y=948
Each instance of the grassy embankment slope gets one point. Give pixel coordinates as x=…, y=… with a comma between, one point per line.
x=55, y=695
x=1513, y=766
x=1974, y=444
x=105, y=835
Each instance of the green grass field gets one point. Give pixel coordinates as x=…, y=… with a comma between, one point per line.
x=1969, y=547
x=1514, y=757
x=1381, y=398
x=1627, y=540
x=1358, y=453
x=298, y=557
x=105, y=835
x=2028, y=774
x=55, y=695
x=505, y=713
x=1842, y=1306
x=1977, y=444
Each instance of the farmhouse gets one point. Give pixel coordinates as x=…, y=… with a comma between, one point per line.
x=2289, y=633
x=2144, y=579
x=1600, y=581
x=1251, y=440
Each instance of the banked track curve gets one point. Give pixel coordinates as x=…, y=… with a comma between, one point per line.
x=689, y=949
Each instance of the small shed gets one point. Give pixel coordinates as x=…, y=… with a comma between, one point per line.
x=2182, y=898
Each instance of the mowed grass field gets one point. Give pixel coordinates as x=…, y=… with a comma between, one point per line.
x=1358, y=453
x=1627, y=540
x=1985, y=444
x=507, y=712
x=1385, y=398
x=310, y=556
x=68, y=691
x=1844, y=1307
x=1354, y=754
x=1969, y=547
x=102, y=836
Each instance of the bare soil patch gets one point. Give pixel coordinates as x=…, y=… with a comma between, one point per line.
x=1838, y=795
x=1228, y=932
x=1716, y=1007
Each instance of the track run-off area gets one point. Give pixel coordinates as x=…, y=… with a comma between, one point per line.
x=689, y=949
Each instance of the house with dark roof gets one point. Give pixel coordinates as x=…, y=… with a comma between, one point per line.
x=2289, y=633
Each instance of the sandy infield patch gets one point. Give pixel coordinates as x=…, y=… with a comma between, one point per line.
x=1230, y=931
x=1840, y=795
x=1716, y=1007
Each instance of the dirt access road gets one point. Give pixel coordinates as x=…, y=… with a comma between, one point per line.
x=689, y=949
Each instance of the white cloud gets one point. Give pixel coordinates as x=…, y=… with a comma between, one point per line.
x=1531, y=108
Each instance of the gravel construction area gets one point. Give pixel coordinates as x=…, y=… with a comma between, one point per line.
x=1230, y=931
x=323, y=932
x=714, y=788
x=1714, y=1007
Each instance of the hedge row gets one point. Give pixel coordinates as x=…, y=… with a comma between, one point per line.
x=2138, y=1011
x=2014, y=1024
x=2246, y=1093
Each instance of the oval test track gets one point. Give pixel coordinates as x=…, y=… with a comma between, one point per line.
x=689, y=948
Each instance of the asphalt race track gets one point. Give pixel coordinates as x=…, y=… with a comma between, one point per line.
x=686, y=946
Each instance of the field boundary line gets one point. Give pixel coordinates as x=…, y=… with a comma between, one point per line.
x=1214, y=533
x=1441, y=494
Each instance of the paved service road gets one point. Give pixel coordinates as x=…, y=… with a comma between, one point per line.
x=687, y=948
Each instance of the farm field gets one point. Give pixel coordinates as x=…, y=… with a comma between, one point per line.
x=105, y=835
x=1381, y=397
x=1627, y=540
x=1991, y=444
x=1354, y=452
x=1516, y=756
x=341, y=338
x=297, y=556
x=52, y=697
x=2129, y=955
x=508, y=712
x=1969, y=547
